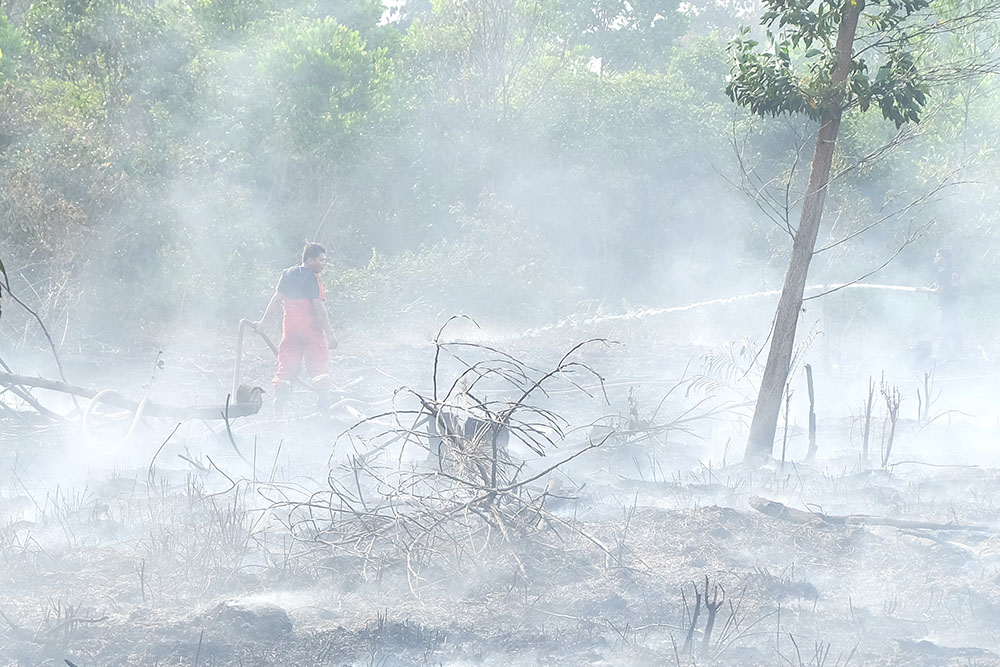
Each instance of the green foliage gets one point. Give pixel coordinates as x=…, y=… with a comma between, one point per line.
x=766, y=83
x=792, y=74
x=148, y=150
x=625, y=35
x=330, y=88
x=126, y=48
x=360, y=15
x=11, y=48
x=495, y=268
x=230, y=17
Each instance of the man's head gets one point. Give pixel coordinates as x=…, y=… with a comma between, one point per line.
x=943, y=257
x=314, y=257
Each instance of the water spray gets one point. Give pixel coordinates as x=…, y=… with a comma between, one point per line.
x=642, y=313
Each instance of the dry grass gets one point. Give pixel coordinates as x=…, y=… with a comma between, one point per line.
x=397, y=559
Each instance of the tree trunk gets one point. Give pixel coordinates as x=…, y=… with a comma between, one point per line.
x=779, y=357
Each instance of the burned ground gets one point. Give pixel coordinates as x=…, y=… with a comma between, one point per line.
x=174, y=549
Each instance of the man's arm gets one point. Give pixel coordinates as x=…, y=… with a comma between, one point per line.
x=324, y=322
x=273, y=306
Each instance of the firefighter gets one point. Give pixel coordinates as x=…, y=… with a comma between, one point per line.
x=306, y=334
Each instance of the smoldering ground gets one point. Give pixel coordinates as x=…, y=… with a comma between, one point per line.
x=295, y=548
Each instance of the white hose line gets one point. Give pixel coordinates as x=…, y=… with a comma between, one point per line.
x=649, y=312
x=97, y=399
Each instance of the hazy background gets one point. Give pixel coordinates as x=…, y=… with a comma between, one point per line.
x=521, y=162
x=558, y=170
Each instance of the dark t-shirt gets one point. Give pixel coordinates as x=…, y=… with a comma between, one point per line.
x=299, y=282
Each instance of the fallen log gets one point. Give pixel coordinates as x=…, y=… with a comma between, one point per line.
x=248, y=400
x=777, y=510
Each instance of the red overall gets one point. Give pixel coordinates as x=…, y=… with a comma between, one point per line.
x=302, y=338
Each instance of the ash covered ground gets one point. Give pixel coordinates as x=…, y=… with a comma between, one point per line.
x=617, y=526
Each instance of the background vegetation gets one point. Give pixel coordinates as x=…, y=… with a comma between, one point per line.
x=514, y=159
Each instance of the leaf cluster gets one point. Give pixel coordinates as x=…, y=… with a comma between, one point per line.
x=792, y=71
x=898, y=89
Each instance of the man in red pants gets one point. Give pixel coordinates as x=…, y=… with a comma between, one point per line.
x=305, y=328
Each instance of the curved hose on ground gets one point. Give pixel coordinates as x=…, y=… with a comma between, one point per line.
x=97, y=399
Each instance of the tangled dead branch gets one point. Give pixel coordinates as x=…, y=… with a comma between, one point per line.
x=453, y=492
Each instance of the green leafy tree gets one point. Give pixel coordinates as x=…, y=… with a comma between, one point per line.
x=329, y=86
x=105, y=102
x=626, y=35
x=229, y=17
x=329, y=95
x=810, y=65
x=128, y=52
x=473, y=70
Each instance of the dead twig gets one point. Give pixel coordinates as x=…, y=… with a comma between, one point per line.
x=780, y=511
x=689, y=640
x=712, y=608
